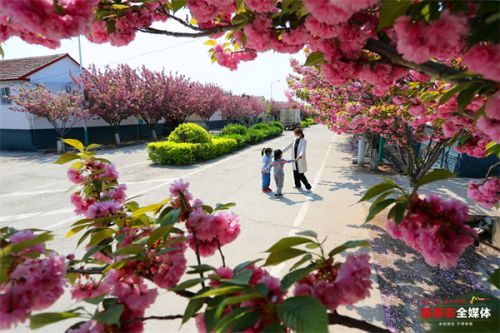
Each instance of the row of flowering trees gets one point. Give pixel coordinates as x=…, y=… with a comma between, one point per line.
x=116, y=94
x=375, y=42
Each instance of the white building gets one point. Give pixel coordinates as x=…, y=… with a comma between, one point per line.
x=23, y=131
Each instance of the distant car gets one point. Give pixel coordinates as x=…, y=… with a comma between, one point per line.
x=290, y=118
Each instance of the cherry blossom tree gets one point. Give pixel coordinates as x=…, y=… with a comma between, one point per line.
x=150, y=93
x=209, y=98
x=111, y=95
x=62, y=109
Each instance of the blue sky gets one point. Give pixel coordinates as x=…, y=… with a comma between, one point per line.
x=183, y=55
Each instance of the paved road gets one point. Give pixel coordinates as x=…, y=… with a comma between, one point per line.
x=33, y=194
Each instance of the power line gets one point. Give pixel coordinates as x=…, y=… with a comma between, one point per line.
x=125, y=59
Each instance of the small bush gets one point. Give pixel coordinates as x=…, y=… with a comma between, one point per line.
x=182, y=153
x=234, y=129
x=307, y=122
x=189, y=133
x=173, y=152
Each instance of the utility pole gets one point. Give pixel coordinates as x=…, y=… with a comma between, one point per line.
x=85, y=131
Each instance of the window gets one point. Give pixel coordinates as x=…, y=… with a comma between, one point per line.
x=5, y=94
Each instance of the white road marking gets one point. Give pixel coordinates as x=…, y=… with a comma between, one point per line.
x=166, y=182
x=299, y=219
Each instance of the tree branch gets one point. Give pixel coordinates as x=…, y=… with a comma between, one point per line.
x=338, y=319
x=437, y=70
x=93, y=270
x=202, y=33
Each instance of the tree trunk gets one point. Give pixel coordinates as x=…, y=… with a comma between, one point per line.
x=117, y=138
x=153, y=134
x=60, y=146
x=361, y=151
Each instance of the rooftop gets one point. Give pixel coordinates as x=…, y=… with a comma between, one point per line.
x=22, y=68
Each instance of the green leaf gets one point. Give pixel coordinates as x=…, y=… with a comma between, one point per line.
x=242, y=278
x=193, y=306
x=150, y=208
x=220, y=291
x=178, y=4
x=210, y=42
x=296, y=275
x=47, y=318
x=434, y=175
x=93, y=146
x=95, y=300
x=5, y=262
x=224, y=206
x=158, y=233
x=378, y=207
x=302, y=261
x=376, y=190
x=187, y=284
x=18, y=247
x=242, y=316
x=101, y=235
x=273, y=328
x=304, y=314
x=201, y=269
x=449, y=94
x=348, y=245
x=315, y=58
x=75, y=143
x=495, y=278
x=131, y=249
x=93, y=250
x=398, y=211
x=465, y=96
x=390, y=10
x=170, y=218
x=119, y=6
x=307, y=233
x=66, y=157
x=283, y=255
x=288, y=242
x=493, y=148
x=111, y=316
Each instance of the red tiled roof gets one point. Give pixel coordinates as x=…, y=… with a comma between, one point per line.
x=21, y=68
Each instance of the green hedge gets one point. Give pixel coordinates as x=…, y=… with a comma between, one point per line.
x=181, y=153
x=189, y=133
x=234, y=129
x=168, y=152
x=307, y=122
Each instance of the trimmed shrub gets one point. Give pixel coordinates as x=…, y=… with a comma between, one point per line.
x=234, y=129
x=171, y=152
x=307, y=122
x=189, y=133
x=182, y=153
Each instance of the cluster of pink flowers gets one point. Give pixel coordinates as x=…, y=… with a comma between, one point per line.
x=486, y=193
x=336, y=11
x=419, y=41
x=211, y=231
x=381, y=76
x=485, y=60
x=34, y=284
x=489, y=123
x=24, y=18
x=343, y=284
x=205, y=11
x=97, y=204
x=232, y=59
x=436, y=229
x=24, y=235
x=259, y=276
x=262, y=6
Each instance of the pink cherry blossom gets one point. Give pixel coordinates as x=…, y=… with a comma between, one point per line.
x=485, y=60
x=103, y=209
x=75, y=176
x=335, y=11
x=91, y=288
x=131, y=290
x=261, y=6
x=353, y=279
x=487, y=194
x=24, y=235
x=435, y=228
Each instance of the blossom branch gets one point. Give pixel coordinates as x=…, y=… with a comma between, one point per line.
x=221, y=254
x=437, y=70
x=89, y=271
x=198, y=259
x=201, y=33
x=338, y=319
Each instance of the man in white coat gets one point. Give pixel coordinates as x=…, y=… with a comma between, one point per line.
x=298, y=147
